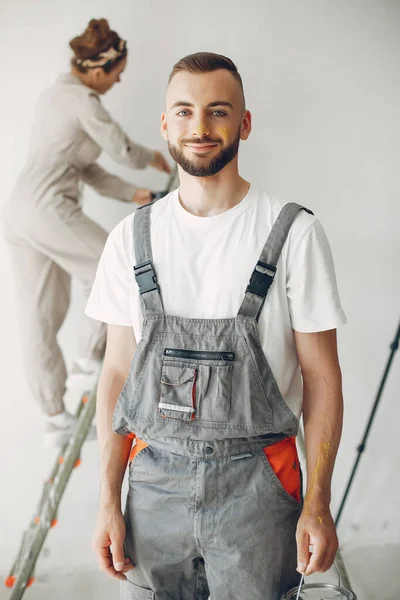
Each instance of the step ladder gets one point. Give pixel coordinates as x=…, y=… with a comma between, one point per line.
x=21, y=576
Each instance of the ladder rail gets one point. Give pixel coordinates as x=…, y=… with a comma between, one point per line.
x=51, y=499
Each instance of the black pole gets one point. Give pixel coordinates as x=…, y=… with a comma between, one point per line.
x=393, y=347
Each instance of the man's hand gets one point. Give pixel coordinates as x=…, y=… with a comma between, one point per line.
x=108, y=542
x=160, y=163
x=317, y=529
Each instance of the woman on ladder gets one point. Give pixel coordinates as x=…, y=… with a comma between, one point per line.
x=49, y=237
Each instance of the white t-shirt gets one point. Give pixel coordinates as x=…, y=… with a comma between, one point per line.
x=203, y=267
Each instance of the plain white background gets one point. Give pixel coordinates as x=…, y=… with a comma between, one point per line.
x=322, y=81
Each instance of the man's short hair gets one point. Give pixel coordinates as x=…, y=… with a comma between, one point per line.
x=205, y=62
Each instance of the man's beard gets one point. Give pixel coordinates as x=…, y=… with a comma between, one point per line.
x=214, y=166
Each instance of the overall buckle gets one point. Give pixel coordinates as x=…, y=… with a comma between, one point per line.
x=261, y=279
x=145, y=277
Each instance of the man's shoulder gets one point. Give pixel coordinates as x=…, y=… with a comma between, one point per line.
x=121, y=236
x=271, y=207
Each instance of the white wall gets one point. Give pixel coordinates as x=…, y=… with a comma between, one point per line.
x=322, y=81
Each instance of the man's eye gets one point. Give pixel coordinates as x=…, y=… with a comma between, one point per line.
x=183, y=113
x=219, y=113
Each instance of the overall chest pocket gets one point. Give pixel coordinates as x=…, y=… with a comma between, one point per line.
x=196, y=385
x=178, y=390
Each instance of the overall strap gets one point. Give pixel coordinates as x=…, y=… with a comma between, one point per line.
x=144, y=272
x=264, y=271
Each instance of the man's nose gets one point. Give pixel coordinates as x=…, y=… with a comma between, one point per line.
x=200, y=130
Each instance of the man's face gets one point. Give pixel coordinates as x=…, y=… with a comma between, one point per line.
x=205, y=120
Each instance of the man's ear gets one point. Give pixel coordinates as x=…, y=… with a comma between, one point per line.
x=246, y=126
x=164, y=127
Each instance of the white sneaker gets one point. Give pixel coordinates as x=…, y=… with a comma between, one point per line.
x=59, y=429
x=84, y=375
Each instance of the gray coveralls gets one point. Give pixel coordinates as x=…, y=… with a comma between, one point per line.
x=206, y=514
x=49, y=237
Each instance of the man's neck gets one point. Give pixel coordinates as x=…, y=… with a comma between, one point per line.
x=210, y=196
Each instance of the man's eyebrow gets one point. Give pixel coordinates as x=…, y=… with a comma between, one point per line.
x=220, y=103
x=181, y=103
x=211, y=105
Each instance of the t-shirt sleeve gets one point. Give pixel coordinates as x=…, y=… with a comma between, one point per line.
x=312, y=290
x=109, y=299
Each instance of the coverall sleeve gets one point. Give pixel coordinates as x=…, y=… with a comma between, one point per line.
x=106, y=184
x=98, y=124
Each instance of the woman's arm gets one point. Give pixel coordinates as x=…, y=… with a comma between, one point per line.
x=107, y=184
x=98, y=124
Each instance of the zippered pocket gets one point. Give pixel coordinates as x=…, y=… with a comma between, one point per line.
x=199, y=354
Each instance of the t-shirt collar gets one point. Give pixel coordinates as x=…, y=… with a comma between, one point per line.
x=195, y=220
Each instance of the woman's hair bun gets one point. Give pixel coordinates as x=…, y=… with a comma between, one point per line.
x=98, y=29
x=96, y=38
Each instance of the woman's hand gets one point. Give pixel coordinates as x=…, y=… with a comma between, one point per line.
x=160, y=163
x=142, y=197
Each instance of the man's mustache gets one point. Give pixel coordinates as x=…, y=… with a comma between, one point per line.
x=203, y=140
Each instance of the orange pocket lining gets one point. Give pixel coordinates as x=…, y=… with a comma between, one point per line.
x=284, y=461
x=138, y=447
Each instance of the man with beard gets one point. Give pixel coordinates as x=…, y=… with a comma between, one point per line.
x=233, y=298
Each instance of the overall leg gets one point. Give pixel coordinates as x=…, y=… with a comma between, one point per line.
x=43, y=295
x=160, y=529
x=249, y=547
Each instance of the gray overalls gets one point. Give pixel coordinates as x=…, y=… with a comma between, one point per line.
x=206, y=514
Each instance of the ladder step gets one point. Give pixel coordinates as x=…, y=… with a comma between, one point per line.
x=10, y=580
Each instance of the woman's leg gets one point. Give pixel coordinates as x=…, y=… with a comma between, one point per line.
x=75, y=243
x=43, y=296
